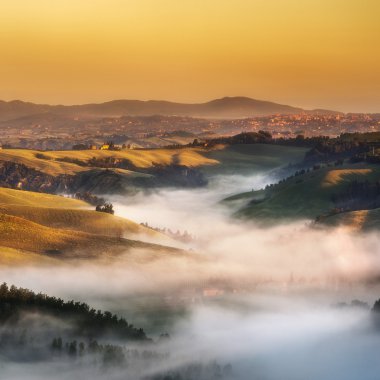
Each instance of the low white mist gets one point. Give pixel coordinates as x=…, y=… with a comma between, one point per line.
x=258, y=298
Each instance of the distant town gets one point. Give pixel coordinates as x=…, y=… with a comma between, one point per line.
x=52, y=132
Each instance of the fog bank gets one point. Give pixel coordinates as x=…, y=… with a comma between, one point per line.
x=260, y=299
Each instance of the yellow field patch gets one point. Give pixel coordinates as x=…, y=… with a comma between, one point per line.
x=30, y=198
x=22, y=234
x=142, y=158
x=355, y=219
x=28, y=158
x=12, y=257
x=89, y=221
x=334, y=177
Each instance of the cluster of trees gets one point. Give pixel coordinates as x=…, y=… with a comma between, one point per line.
x=111, y=162
x=80, y=146
x=376, y=314
x=86, y=322
x=355, y=304
x=376, y=306
x=366, y=137
x=42, y=156
x=298, y=173
x=72, y=160
x=181, y=236
x=196, y=371
x=351, y=146
x=176, y=175
x=19, y=176
x=106, y=207
x=302, y=141
x=110, y=354
x=90, y=198
x=357, y=196
x=261, y=137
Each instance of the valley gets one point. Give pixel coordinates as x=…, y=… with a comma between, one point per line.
x=186, y=243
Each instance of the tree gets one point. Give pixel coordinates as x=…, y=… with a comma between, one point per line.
x=73, y=348
x=107, y=208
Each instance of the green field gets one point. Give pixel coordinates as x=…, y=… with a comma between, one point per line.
x=250, y=158
x=301, y=197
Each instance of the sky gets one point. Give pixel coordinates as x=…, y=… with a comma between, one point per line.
x=308, y=53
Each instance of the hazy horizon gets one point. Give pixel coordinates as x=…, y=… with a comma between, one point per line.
x=189, y=190
x=319, y=54
x=202, y=101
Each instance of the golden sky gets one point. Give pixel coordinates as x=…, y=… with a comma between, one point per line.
x=309, y=53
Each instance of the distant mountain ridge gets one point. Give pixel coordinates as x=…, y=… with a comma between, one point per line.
x=228, y=107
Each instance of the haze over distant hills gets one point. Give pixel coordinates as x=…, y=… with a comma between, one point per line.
x=228, y=107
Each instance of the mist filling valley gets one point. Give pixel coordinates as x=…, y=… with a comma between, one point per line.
x=241, y=301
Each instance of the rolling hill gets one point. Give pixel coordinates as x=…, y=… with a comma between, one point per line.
x=10, y=197
x=301, y=197
x=130, y=170
x=60, y=227
x=55, y=162
x=24, y=235
x=228, y=107
x=251, y=158
x=67, y=213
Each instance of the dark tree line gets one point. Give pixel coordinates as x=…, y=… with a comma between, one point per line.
x=354, y=146
x=111, y=162
x=90, y=198
x=19, y=176
x=178, y=235
x=87, y=322
x=196, y=371
x=357, y=196
x=243, y=138
x=110, y=354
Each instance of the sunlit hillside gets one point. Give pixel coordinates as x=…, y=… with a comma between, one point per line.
x=30, y=198
x=44, y=223
x=355, y=220
x=17, y=257
x=51, y=162
x=21, y=234
x=304, y=196
x=62, y=212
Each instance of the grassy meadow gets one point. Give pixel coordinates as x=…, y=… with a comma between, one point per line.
x=302, y=197
x=44, y=223
x=251, y=158
x=141, y=158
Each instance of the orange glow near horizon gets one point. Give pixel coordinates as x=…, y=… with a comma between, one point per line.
x=308, y=53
